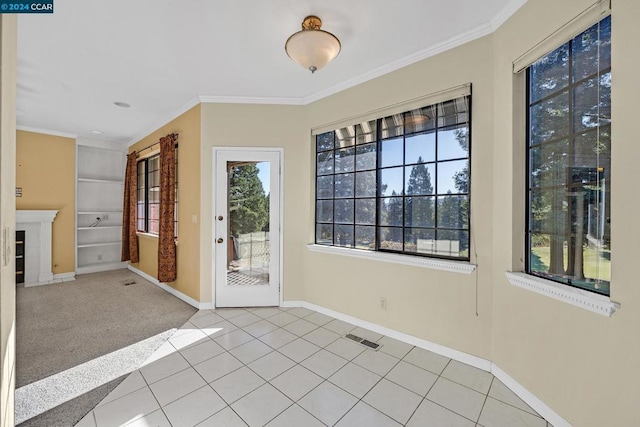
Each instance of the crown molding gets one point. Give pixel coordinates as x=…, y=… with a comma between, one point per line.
x=46, y=132
x=206, y=99
x=157, y=124
x=506, y=13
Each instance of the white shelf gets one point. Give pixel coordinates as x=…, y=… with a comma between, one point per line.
x=95, y=245
x=99, y=191
x=98, y=180
x=97, y=212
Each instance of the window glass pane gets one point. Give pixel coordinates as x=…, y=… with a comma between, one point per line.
x=366, y=132
x=324, y=234
x=453, y=112
x=452, y=211
x=391, y=182
x=419, y=212
x=391, y=238
x=324, y=210
x=366, y=157
x=591, y=54
x=343, y=235
x=345, y=160
x=550, y=119
x=419, y=240
x=366, y=184
x=548, y=163
x=453, y=143
x=324, y=141
x=453, y=177
x=392, y=126
x=324, y=189
x=325, y=163
x=366, y=211
x=550, y=74
x=548, y=210
x=343, y=211
x=392, y=152
x=419, y=120
x=391, y=211
x=420, y=148
x=419, y=179
x=344, y=137
x=365, y=237
x=154, y=226
x=592, y=103
x=344, y=185
x=452, y=243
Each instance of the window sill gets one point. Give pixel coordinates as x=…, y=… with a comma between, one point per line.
x=143, y=234
x=415, y=261
x=584, y=299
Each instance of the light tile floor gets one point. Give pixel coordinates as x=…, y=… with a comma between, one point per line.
x=293, y=367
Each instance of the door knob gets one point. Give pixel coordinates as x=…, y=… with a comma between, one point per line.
x=220, y=218
x=220, y=240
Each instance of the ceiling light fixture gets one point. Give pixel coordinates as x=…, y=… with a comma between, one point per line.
x=122, y=104
x=312, y=47
x=97, y=132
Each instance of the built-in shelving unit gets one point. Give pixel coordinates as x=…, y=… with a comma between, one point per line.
x=99, y=191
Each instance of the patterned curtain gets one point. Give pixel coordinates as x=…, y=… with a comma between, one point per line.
x=129, y=236
x=167, y=270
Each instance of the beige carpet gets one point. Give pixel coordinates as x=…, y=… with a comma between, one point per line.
x=61, y=326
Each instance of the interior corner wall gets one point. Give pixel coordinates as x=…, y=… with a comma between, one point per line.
x=45, y=170
x=447, y=308
x=188, y=261
x=248, y=125
x=584, y=366
x=8, y=65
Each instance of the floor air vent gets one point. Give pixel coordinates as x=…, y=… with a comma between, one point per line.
x=369, y=344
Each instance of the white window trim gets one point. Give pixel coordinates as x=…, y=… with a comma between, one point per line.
x=578, y=297
x=415, y=261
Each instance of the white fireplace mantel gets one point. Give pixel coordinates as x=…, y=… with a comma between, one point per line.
x=37, y=224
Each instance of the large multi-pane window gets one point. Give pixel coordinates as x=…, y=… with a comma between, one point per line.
x=398, y=183
x=148, y=206
x=569, y=162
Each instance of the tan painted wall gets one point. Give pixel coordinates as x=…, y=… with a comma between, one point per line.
x=227, y=125
x=46, y=172
x=434, y=305
x=8, y=62
x=585, y=366
x=188, y=259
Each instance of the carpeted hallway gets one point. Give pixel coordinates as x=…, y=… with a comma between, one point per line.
x=66, y=336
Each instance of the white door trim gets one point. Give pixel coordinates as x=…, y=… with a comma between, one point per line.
x=215, y=152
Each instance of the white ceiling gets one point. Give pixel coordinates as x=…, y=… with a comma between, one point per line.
x=162, y=56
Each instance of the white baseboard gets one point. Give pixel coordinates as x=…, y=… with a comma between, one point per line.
x=98, y=268
x=65, y=277
x=460, y=356
x=56, y=278
x=486, y=365
x=530, y=399
x=186, y=298
x=291, y=304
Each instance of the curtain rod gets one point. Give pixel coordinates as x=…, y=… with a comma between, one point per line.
x=155, y=143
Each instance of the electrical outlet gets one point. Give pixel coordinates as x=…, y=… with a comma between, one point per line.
x=99, y=257
x=383, y=303
x=105, y=217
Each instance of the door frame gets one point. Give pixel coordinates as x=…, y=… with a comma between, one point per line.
x=280, y=152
